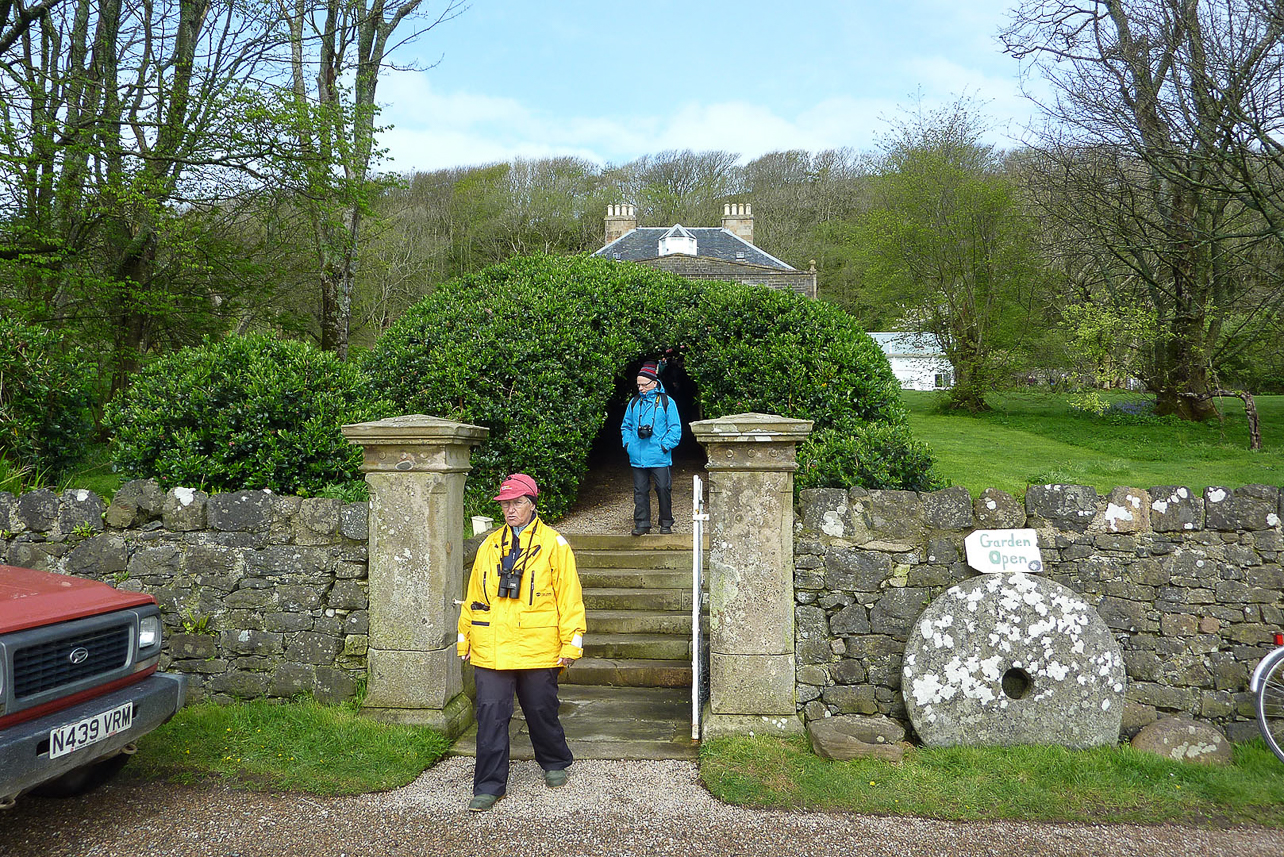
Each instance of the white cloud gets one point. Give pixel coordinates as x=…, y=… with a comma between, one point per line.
x=434, y=130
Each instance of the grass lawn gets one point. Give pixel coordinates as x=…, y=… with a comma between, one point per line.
x=297, y=746
x=1032, y=438
x=1104, y=785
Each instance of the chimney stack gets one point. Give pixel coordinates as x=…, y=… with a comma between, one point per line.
x=737, y=218
x=620, y=221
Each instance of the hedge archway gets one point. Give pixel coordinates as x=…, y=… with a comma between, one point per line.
x=535, y=349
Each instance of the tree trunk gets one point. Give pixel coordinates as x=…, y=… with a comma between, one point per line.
x=968, y=392
x=1250, y=411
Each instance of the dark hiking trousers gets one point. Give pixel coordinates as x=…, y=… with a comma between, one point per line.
x=537, y=692
x=642, y=479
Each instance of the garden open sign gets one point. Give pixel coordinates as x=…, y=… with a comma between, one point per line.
x=1004, y=551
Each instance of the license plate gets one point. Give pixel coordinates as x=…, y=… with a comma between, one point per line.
x=66, y=739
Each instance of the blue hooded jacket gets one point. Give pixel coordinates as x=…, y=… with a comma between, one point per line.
x=666, y=429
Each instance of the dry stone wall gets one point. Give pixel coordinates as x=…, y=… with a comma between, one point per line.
x=262, y=595
x=1190, y=585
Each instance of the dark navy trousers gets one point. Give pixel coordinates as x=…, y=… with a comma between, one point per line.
x=642, y=479
x=537, y=692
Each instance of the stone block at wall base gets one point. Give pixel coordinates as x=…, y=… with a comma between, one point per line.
x=411, y=679
x=451, y=721
x=723, y=725
x=752, y=684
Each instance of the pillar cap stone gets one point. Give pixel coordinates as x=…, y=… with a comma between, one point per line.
x=414, y=429
x=750, y=428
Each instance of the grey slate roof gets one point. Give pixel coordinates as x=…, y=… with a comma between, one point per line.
x=711, y=243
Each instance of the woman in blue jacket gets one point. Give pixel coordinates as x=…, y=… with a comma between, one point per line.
x=651, y=431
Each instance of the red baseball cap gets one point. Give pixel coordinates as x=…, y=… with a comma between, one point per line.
x=517, y=485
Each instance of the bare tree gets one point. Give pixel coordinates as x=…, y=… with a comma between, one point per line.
x=338, y=49
x=1165, y=133
x=16, y=18
x=673, y=187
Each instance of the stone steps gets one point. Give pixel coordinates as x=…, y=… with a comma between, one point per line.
x=635, y=645
x=631, y=621
x=635, y=578
x=634, y=559
x=629, y=696
x=637, y=592
x=630, y=672
x=621, y=598
x=589, y=542
x=610, y=723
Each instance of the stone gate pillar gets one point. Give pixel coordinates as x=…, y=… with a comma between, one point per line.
x=751, y=572
x=415, y=466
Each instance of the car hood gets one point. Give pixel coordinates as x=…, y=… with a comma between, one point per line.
x=30, y=598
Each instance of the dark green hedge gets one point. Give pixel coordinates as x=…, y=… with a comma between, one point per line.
x=530, y=349
x=45, y=397
x=244, y=413
x=536, y=348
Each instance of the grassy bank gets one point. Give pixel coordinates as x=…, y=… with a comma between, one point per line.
x=1105, y=785
x=1034, y=438
x=298, y=746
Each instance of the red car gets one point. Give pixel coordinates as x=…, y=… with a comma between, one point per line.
x=78, y=681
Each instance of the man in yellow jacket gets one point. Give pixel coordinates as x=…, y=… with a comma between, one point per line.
x=522, y=621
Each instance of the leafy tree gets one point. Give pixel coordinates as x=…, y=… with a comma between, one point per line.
x=1163, y=135
x=122, y=131
x=946, y=241
x=332, y=130
x=1108, y=339
x=803, y=205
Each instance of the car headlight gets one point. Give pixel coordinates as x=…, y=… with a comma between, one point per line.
x=149, y=632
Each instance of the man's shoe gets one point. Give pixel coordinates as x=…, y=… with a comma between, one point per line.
x=664, y=531
x=641, y=531
x=482, y=803
x=555, y=779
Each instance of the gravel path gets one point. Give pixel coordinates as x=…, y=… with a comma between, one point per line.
x=605, y=504
x=607, y=808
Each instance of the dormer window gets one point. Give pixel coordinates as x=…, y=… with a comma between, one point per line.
x=677, y=241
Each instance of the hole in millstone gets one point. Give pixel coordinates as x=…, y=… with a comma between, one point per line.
x=1017, y=683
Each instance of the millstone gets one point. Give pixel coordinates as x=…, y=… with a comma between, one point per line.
x=1006, y=659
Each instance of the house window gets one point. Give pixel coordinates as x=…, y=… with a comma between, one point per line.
x=740, y=254
x=943, y=381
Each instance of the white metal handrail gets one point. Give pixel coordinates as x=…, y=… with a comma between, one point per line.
x=698, y=519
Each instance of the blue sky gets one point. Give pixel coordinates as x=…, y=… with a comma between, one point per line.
x=613, y=81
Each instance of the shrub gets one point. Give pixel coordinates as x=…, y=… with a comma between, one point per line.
x=535, y=349
x=875, y=455
x=244, y=413
x=531, y=349
x=755, y=349
x=45, y=398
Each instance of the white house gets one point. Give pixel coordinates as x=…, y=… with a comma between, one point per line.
x=917, y=360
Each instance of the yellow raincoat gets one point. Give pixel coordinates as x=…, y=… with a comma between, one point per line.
x=546, y=621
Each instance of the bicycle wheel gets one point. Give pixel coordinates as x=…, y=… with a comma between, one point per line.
x=1270, y=702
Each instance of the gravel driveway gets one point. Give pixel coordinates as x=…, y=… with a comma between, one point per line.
x=608, y=808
